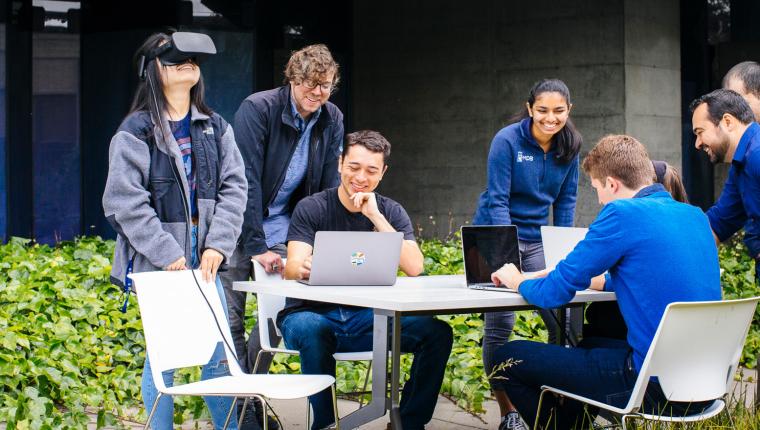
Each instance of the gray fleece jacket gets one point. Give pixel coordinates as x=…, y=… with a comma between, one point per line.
x=146, y=192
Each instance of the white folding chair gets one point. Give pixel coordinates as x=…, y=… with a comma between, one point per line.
x=694, y=355
x=269, y=306
x=181, y=331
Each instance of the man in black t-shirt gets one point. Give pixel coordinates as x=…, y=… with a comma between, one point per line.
x=316, y=329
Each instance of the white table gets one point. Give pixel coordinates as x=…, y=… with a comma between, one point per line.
x=424, y=295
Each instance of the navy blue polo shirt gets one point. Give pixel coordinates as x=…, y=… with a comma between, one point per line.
x=739, y=203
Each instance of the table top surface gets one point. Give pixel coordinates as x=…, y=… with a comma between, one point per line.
x=409, y=294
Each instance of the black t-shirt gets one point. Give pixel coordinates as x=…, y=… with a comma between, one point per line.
x=323, y=211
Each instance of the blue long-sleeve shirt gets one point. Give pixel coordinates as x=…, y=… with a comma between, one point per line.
x=656, y=250
x=739, y=203
x=524, y=182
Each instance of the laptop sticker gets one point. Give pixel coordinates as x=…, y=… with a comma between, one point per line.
x=357, y=259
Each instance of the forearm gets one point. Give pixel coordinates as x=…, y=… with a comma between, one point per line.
x=291, y=267
x=410, y=260
x=298, y=265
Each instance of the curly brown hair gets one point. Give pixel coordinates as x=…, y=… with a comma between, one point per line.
x=311, y=63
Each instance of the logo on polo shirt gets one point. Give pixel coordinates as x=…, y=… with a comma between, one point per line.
x=358, y=258
x=521, y=157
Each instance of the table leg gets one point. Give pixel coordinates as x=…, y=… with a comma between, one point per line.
x=395, y=372
x=562, y=336
x=379, y=404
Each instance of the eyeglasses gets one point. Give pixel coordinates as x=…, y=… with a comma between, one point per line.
x=325, y=86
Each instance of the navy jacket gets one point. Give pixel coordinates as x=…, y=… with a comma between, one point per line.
x=266, y=134
x=656, y=250
x=524, y=182
x=739, y=202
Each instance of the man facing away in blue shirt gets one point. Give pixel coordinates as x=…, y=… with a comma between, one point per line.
x=655, y=251
x=724, y=124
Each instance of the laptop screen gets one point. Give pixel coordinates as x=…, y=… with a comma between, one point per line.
x=486, y=249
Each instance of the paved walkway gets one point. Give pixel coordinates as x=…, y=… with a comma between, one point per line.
x=293, y=416
x=448, y=416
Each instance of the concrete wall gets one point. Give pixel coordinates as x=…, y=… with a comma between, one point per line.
x=440, y=78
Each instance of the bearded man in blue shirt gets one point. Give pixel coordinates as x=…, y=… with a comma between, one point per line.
x=726, y=130
x=655, y=251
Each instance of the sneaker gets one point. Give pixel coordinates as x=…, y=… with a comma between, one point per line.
x=512, y=421
x=254, y=416
x=249, y=420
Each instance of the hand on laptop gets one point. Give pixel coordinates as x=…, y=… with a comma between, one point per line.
x=305, y=270
x=597, y=283
x=509, y=276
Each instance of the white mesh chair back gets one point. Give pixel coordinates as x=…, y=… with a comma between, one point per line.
x=267, y=304
x=180, y=330
x=696, y=349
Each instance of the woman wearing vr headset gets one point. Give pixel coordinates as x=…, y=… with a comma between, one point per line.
x=176, y=188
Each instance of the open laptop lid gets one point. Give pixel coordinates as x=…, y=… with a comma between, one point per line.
x=486, y=249
x=559, y=241
x=355, y=258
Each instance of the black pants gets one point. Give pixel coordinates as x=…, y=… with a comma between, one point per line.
x=240, y=268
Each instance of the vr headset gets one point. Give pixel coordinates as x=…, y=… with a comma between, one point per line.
x=182, y=46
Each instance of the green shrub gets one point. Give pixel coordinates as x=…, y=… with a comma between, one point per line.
x=66, y=346
x=67, y=349
x=738, y=281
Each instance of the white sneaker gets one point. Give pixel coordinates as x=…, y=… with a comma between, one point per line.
x=512, y=421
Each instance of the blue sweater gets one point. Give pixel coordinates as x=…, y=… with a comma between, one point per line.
x=524, y=182
x=739, y=203
x=657, y=251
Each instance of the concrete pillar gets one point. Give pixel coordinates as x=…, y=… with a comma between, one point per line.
x=653, y=77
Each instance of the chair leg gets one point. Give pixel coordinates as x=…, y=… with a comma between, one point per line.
x=624, y=418
x=364, y=387
x=308, y=414
x=242, y=413
x=538, y=411
x=152, y=411
x=264, y=406
x=335, y=407
x=276, y=417
x=256, y=364
x=229, y=413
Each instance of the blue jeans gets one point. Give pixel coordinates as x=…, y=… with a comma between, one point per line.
x=498, y=325
x=317, y=335
x=600, y=369
x=217, y=366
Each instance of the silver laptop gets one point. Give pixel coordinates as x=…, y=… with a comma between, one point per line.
x=485, y=250
x=355, y=258
x=559, y=241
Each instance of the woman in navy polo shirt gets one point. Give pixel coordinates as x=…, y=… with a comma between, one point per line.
x=532, y=168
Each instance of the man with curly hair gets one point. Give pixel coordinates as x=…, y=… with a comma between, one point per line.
x=290, y=138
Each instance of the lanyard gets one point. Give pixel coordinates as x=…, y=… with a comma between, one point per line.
x=127, y=289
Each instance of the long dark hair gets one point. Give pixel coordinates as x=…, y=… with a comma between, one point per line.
x=153, y=85
x=568, y=140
